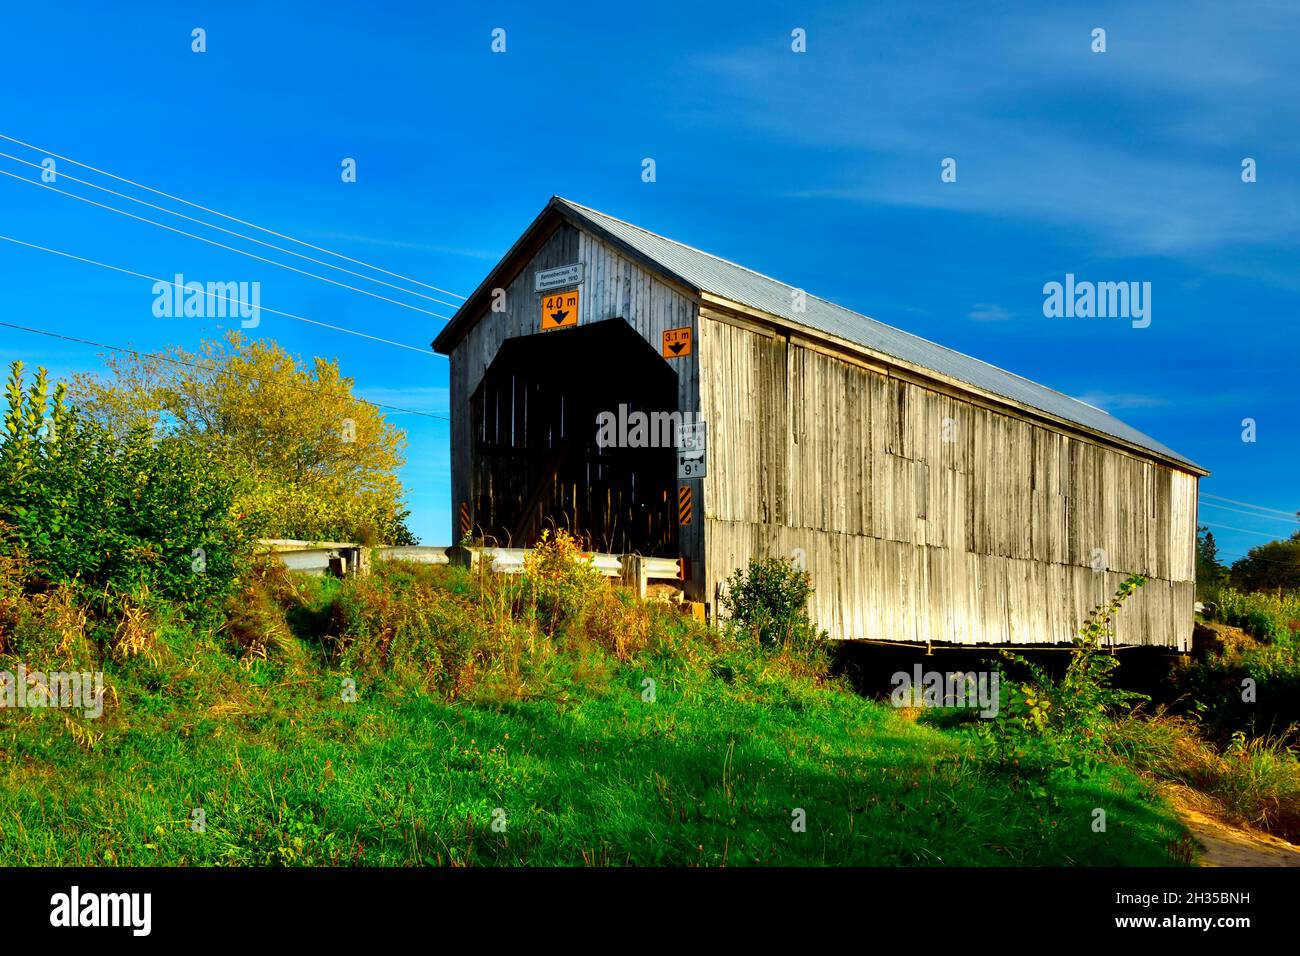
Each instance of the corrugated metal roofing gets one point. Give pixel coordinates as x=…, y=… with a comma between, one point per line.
x=708, y=273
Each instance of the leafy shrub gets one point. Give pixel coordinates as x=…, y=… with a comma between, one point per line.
x=1216, y=688
x=314, y=461
x=1267, y=617
x=768, y=601
x=558, y=583
x=1045, y=726
x=110, y=515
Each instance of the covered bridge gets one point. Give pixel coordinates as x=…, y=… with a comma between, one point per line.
x=933, y=498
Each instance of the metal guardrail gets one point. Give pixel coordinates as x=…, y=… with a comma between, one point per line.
x=663, y=569
x=318, y=557
x=310, y=560
x=342, y=557
x=418, y=553
x=510, y=560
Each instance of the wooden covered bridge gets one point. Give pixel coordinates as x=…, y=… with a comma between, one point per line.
x=932, y=497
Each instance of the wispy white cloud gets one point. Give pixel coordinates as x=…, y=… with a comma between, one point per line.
x=1120, y=401
x=428, y=399
x=988, y=312
x=1135, y=151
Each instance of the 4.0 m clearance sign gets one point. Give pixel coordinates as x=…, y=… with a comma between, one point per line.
x=559, y=309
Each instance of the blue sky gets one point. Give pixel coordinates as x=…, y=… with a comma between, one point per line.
x=820, y=169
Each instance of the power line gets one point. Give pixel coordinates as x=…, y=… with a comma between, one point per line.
x=1247, y=504
x=1254, y=514
x=219, y=245
x=288, y=315
x=1228, y=527
x=207, y=368
x=230, y=232
x=1236, y=556
x=251, y=225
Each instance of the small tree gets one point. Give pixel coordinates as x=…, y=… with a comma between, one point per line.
x=1211, y=574
x=109, y=514
x=769, y=601
x=1045, y=725
x=1274, y=566
x=314, y=460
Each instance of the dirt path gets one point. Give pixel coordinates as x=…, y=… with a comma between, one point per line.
x=1225, y=844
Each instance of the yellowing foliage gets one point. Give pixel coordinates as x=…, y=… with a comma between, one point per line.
x=315, y=461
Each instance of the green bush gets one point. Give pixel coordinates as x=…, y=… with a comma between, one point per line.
x=768, y=601
x=557, y=584
x=1271, y=566
x=1251, y=687
x=1223, y=701
x=112, y=515
x=1044, y=726
x=1267, y=617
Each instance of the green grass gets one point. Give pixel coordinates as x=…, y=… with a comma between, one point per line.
x=586, y=771
x=300, y=777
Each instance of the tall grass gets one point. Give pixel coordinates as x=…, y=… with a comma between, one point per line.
x=602, y=729
x=1253, y=685
x=1239, y=742
x=1255, y=780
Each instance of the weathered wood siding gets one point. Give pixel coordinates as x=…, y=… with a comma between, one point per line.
x=922, y=514
x=614, y=286
x=925, y=517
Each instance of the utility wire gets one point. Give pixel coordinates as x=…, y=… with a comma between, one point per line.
x=288, y=315
x=219, y=245
x=1247, y=504
x=230, y=232
x=1254, y=514
x=251, y=225
x=396, y=408
x=207, y=368
x=1235, y=556
x=1228, y=527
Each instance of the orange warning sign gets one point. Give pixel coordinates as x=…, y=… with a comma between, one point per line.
x=677, y=342
x=559, y=309
x=684, y=504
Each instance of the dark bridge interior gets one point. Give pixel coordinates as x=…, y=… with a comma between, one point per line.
x=537, y=463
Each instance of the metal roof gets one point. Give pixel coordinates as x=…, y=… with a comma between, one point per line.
x=708, y=273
